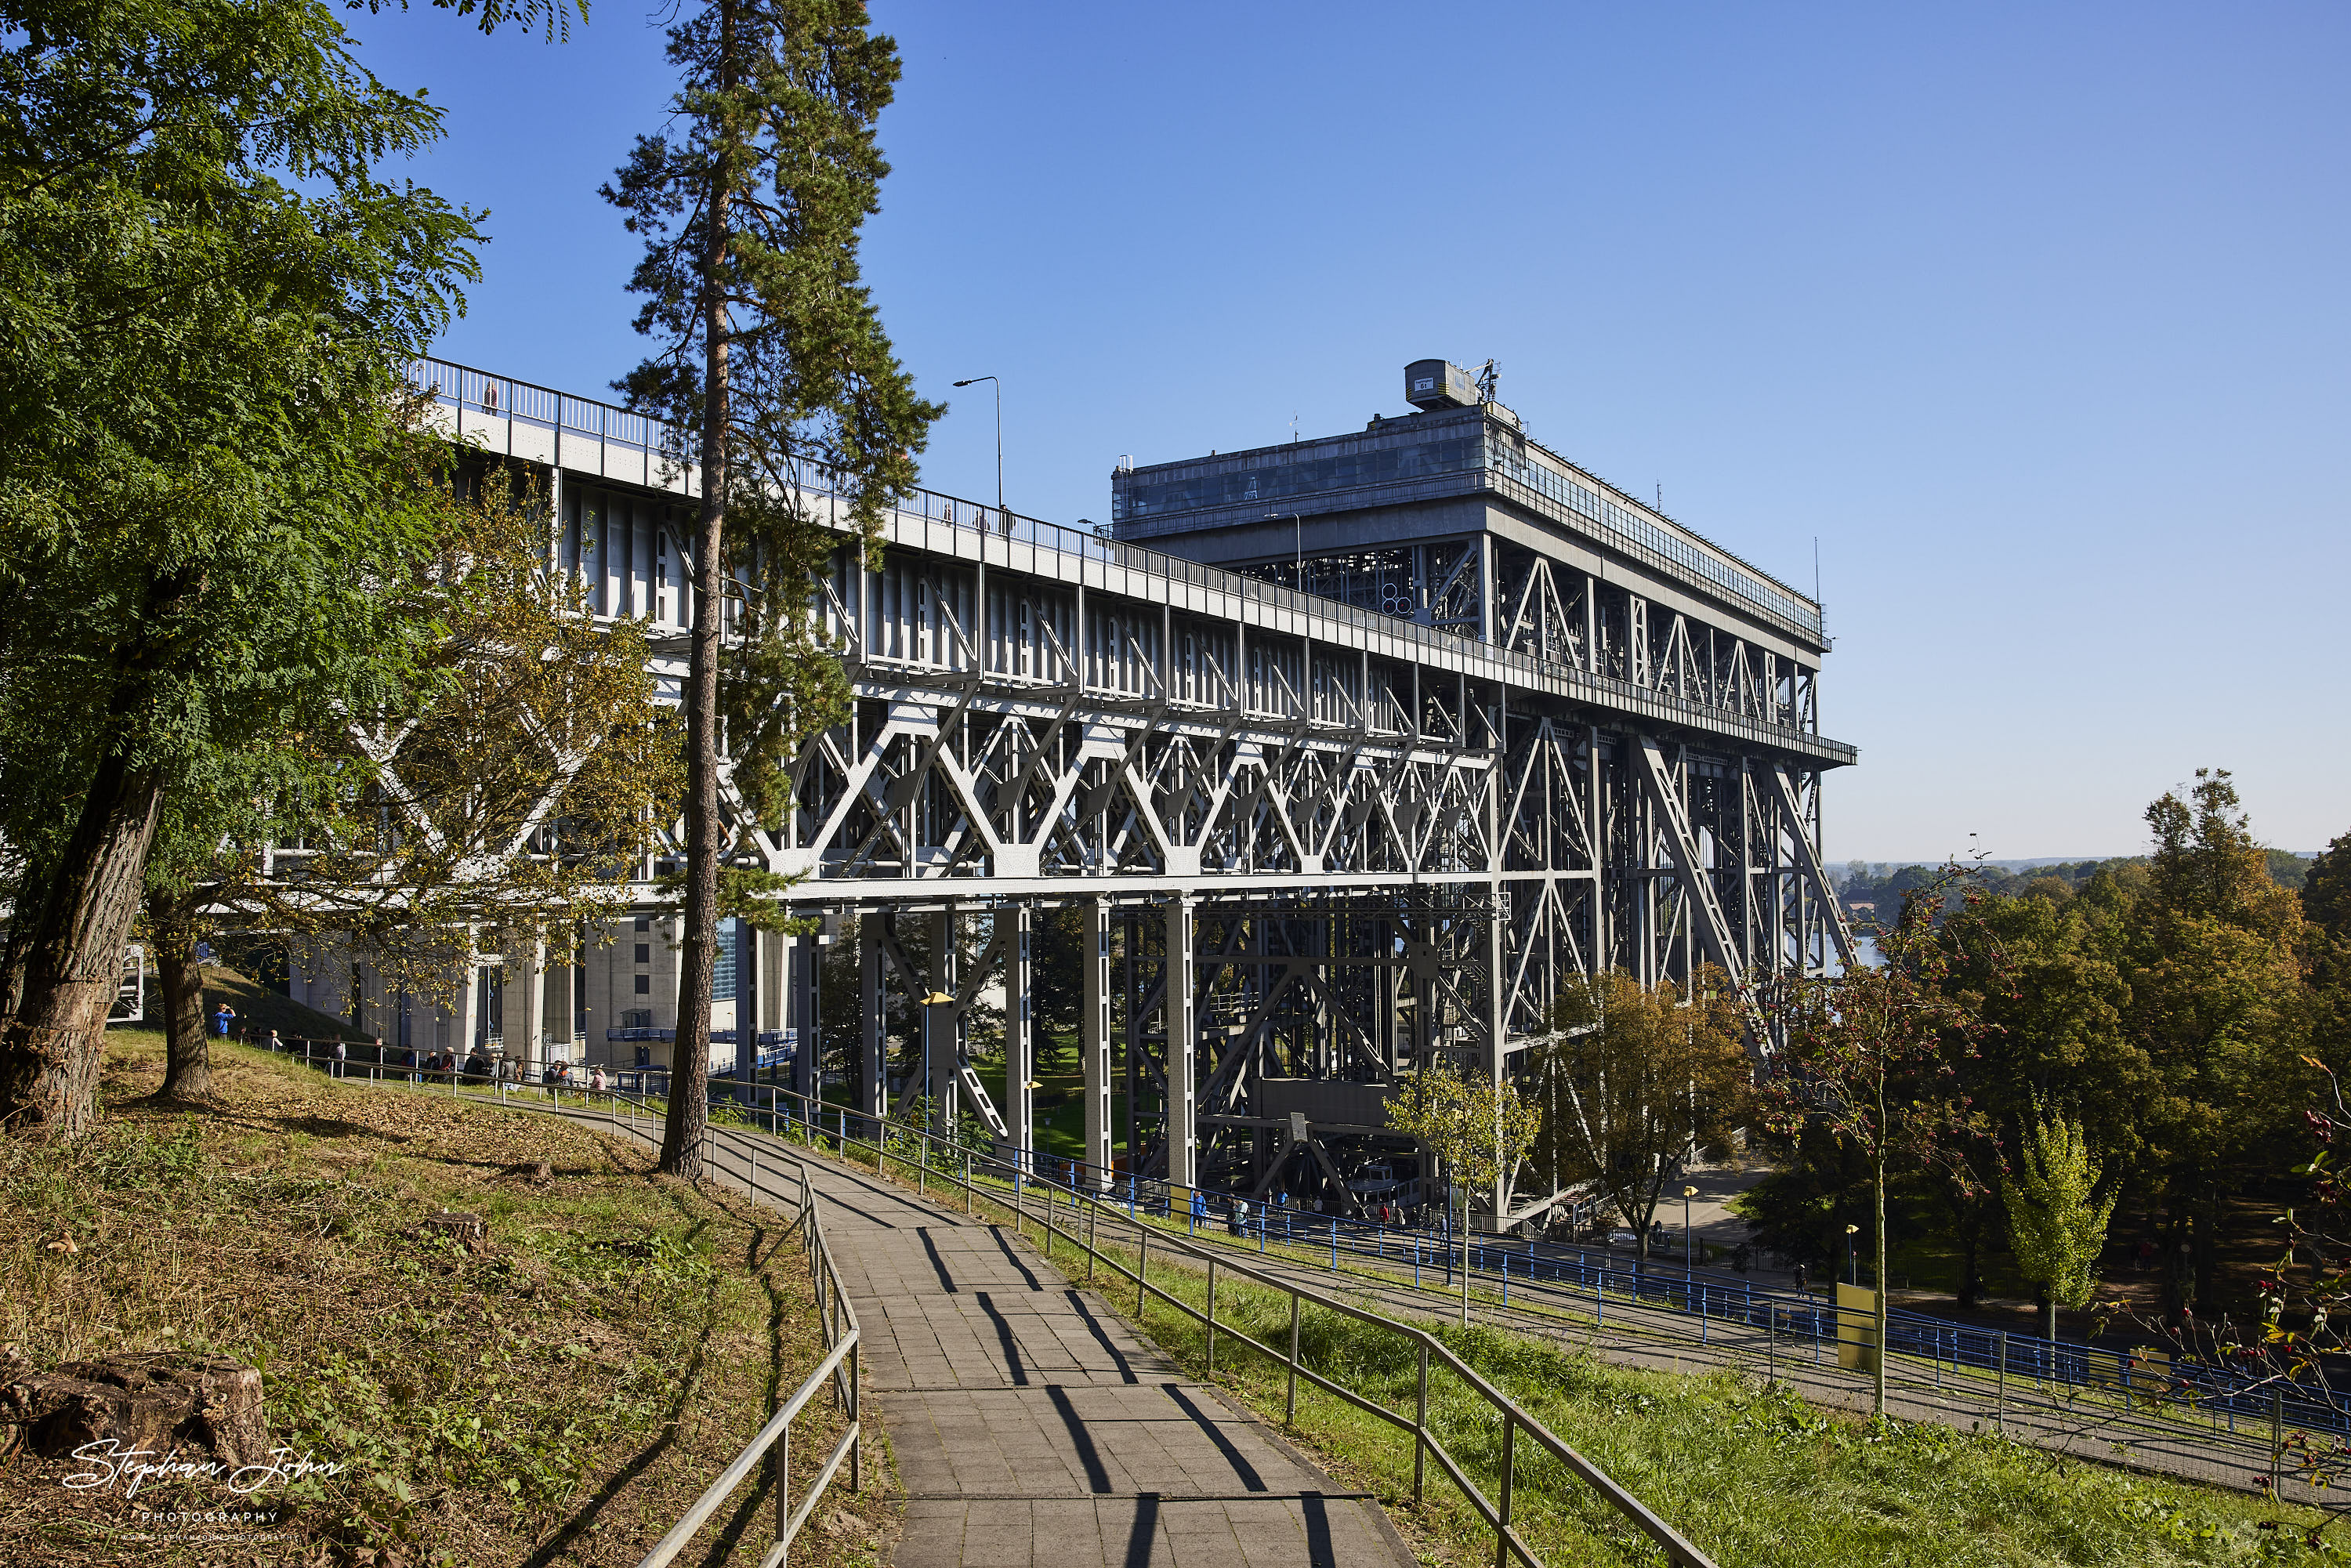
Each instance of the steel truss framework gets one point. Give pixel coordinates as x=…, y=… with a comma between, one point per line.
x=1312, y=840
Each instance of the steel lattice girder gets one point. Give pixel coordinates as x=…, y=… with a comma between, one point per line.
x=1609, y=782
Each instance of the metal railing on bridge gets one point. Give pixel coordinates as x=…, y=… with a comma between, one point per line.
x=1075, y=550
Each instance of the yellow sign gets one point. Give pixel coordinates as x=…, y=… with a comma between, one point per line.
x=1856, y=1328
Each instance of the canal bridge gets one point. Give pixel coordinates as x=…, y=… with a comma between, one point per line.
x=1379, y=742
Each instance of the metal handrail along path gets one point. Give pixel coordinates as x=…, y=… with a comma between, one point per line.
x=840, y=1367
x=1515, y=1421
x=843, y=1336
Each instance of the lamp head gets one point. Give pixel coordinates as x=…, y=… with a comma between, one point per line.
x=966, y=383
x=1851, y=1229
x=1689, y=1192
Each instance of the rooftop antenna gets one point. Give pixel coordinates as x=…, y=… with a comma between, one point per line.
x=1293, y=427
x=1488, y=378
x=1816, y=571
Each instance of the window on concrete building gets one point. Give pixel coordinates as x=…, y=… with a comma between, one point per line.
x=644, y=985
x=645, y=952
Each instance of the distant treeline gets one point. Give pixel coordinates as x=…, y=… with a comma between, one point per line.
x=1879, y=887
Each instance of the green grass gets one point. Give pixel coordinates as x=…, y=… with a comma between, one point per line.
x=1753, y=1475
x=256, y=1007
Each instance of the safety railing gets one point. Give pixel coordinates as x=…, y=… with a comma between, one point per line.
x=1081, y=555
x=2213, y=1411
x=843, y=1336
x=840, y=1367
x=920, y=1150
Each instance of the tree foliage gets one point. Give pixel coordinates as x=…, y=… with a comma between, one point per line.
x=2056, y=1220
x=1634, y=1082
x=206, y=296
x=1478, y=1129
x=495, y=799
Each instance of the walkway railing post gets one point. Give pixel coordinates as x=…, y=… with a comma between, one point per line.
x=1212, y=1316
x=1510, y=1456
x=2277, y=1437
x=1420, y=1429
x=1142, y=1268
x=1290, y=1402
x=2000, y=1386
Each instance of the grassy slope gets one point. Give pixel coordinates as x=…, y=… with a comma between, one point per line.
x=256, y=1007
x=559, y=1398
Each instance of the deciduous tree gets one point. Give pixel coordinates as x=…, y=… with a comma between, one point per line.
x=1634, y=1081
x=1870, y=1055
x=1479, y=1130
x=2056, y=1219
x=206, y=295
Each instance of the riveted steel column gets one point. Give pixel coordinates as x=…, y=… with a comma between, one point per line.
x=1094, y=1041
x=1020, y=1033
x=1183, y=1134
x=872, y=1085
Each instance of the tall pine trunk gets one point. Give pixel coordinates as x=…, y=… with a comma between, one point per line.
x=689, y=1083
x=187, y=1051
x=52, y=1045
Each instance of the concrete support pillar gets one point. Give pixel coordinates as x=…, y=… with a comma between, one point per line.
x=873, y=1087
x=942, y=1026
x=1183, y=1131
x=1020, y=1031
x=750, y=950
x=466, y=1008
x=1094, y=1041
x=530, y=978
x=804, y=1017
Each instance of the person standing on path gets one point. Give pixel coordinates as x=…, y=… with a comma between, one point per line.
x=222, y=1017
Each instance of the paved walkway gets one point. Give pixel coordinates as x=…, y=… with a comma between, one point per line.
x=1031, y=1426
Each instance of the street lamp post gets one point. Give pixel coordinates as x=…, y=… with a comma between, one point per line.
x=998, y=387
x=1851, y=1260
x=1689, y=1238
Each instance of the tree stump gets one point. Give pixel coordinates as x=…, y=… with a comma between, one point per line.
x=155, y=1402
x=468, y=1230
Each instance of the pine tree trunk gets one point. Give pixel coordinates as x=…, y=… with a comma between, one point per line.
x=187, y=1052
x=52, y=1046
x=689, y=1083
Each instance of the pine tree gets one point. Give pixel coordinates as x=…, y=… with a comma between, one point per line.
x=774, y=361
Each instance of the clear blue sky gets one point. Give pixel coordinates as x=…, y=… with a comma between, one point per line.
x=2034, y=316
